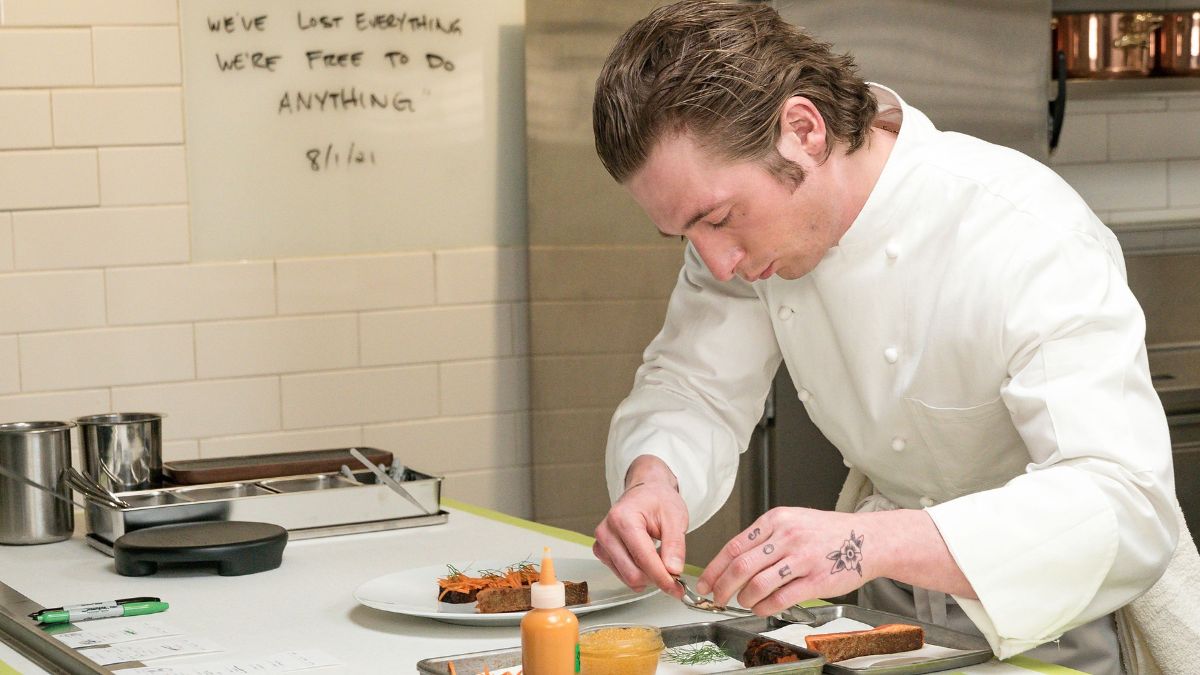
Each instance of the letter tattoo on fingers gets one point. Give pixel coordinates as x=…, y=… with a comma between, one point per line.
x=849, y=556
x=785, y=571
x=769, y=549
x=754, y=535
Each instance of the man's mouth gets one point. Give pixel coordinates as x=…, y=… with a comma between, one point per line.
x=766, y=273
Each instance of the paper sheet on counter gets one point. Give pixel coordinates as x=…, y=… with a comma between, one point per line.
x=113, y=634
x=149, y=650
x=795, y=634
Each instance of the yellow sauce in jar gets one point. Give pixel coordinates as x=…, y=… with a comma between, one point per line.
x=620, y=650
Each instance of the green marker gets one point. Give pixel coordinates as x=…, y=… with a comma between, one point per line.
x=100, y=610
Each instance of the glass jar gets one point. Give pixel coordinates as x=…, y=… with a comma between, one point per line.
x=620, y=649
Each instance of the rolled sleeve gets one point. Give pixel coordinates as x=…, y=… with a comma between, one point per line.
x=1090, y=525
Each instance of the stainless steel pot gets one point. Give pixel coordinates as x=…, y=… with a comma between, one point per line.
x=122, y=451
x=1179, y=43
x=41, y=453
x=1107, y=45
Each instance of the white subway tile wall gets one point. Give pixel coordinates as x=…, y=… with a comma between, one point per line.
x=191, y=292
x=45, y=58
x=10, y=366
x=102, y=307
x=110, y=356
x=47, y=179
x=143, y=175
x=136, y=56
x=6, y=242
x=94, y=117
x=1136, y=160
x=26, y=116
x=98, y=237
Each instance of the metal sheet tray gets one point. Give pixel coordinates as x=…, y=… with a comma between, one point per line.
x=722, y=633
x=308, y=505
x=978, y=648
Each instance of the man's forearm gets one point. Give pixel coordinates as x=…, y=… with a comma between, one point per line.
x=911, y=550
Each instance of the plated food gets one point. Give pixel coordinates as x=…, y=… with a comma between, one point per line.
x=414, y=591
x=888, y=638
x=504, y=590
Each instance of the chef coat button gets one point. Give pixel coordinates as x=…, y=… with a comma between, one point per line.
x=898, y=444
x=891, y=354
x=804, y=395
x=892, y=250
x=926, y=502
x=785, y=313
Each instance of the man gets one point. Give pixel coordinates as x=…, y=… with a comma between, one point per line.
x=955, y=319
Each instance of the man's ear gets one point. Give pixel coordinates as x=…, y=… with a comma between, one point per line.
x=801, y=130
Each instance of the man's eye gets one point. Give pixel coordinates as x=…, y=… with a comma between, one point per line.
x=721, y=223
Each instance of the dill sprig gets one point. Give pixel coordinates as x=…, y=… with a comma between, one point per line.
x=697, y=655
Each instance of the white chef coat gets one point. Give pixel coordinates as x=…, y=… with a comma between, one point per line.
x=972, y=346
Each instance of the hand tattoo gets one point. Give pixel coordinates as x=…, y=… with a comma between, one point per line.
x=754, y=535
x=769, y=549
x=785, y=571
x=849, y=556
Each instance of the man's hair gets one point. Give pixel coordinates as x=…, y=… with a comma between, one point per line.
x=721, y=73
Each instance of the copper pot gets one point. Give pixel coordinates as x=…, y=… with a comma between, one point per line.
x=1107, y=45
x=1179, y=43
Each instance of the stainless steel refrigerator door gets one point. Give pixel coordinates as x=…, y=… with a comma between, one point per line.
x=980, y=67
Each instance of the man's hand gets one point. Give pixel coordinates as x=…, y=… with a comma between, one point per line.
x=651, y=509
x=790, y=555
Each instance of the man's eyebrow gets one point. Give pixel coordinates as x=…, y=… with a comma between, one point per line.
x=700, y=214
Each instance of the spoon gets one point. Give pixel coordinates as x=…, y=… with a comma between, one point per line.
x=694, y=600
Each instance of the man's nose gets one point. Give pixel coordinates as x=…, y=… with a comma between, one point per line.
x=720, y=256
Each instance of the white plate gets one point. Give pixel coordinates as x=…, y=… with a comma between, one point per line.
x=414, y=592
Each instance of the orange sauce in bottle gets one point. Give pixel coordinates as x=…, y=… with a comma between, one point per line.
x=549, y=631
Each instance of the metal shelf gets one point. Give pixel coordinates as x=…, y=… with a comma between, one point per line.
x=1140, y=86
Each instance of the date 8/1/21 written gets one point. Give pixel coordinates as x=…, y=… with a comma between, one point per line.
x=333, y=156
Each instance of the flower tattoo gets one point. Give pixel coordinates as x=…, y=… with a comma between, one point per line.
x=849, y=556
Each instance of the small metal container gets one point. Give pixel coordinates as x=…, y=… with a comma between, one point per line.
x=123, y=451
x=1107, y=45
x=1179, y=43
x=309, y=505
x=227, y=491
x=323, y=481
x=41, y=452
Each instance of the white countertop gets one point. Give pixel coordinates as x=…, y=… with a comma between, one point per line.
x=308, y=602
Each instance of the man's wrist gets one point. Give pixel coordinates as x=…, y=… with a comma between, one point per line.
x=648, y=469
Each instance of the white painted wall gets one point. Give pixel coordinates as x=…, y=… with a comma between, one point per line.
x=421, y=352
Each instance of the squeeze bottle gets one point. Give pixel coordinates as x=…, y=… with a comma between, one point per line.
x=549, y=631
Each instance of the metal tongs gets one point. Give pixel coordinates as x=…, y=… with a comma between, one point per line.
x=694, y=600
x=97, y=493
x=92, y=489
x=389, y=481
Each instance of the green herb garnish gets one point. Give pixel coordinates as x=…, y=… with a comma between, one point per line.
x=697, y=655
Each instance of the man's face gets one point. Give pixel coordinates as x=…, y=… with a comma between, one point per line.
x=742, y=220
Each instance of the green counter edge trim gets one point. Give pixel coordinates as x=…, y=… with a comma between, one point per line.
x=1041, y=667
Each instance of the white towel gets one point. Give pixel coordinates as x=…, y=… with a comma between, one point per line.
x=1160, y=630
